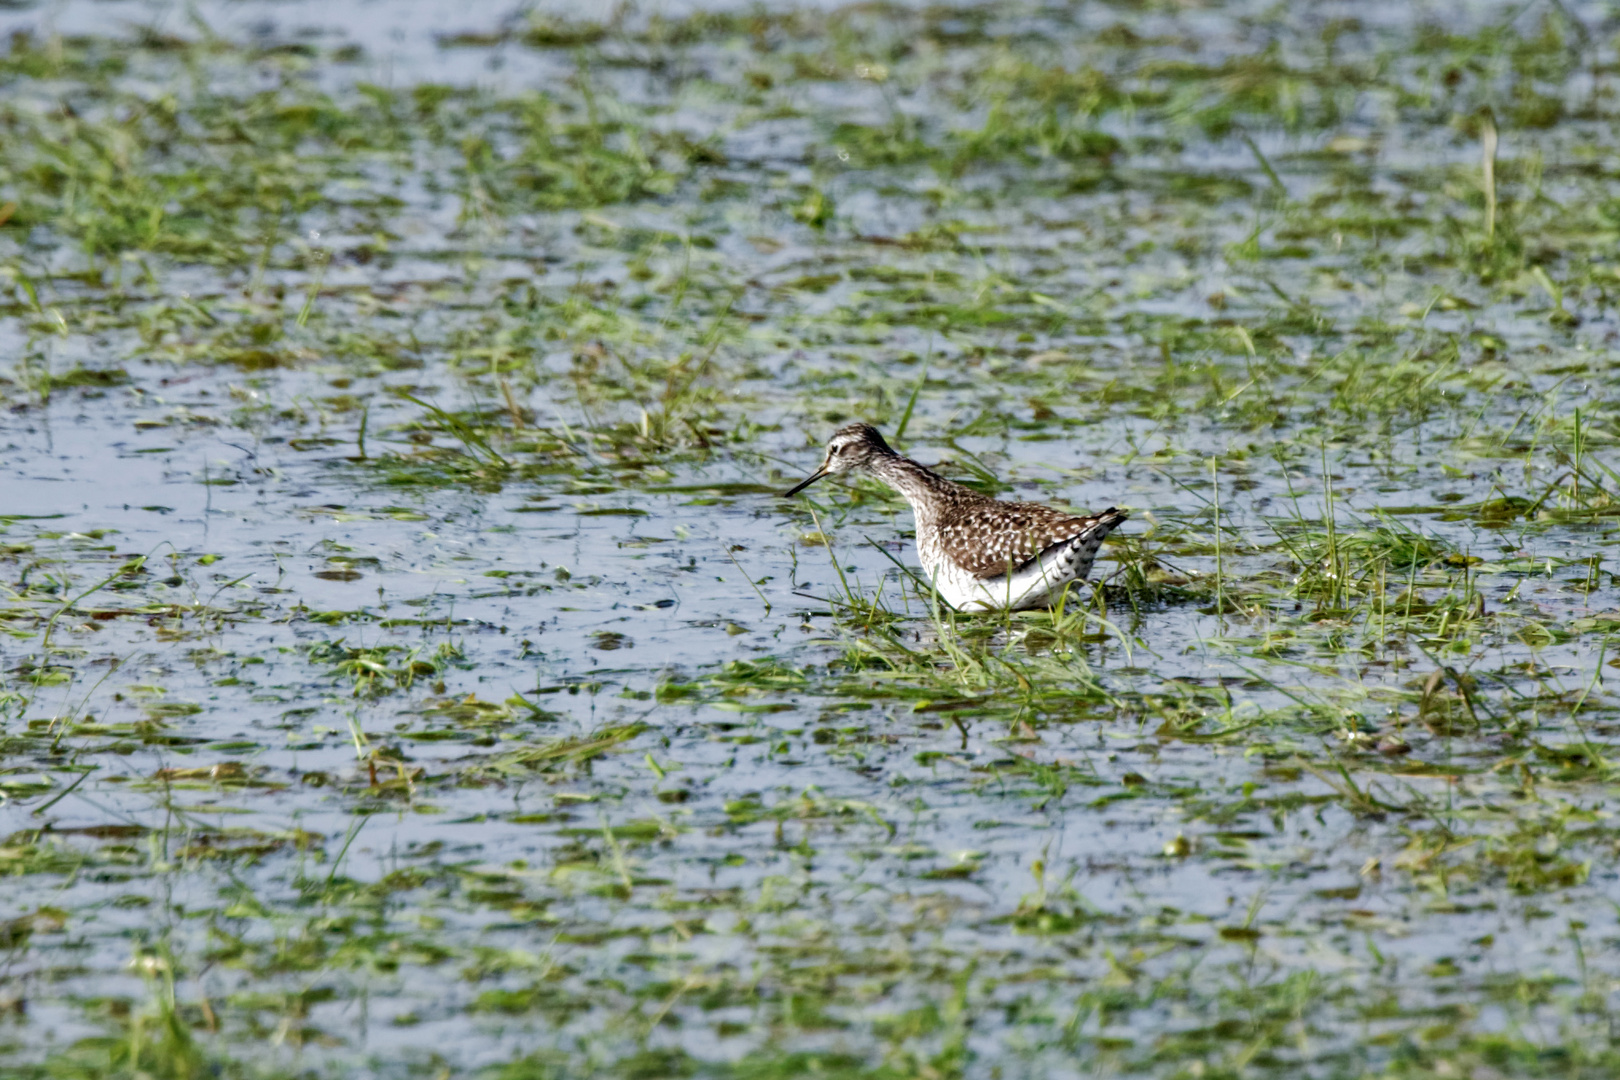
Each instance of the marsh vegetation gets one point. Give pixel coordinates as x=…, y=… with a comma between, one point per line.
x=408, y=670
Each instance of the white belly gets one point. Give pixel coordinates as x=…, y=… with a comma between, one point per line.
x=1030, y=587
x=1039, y=583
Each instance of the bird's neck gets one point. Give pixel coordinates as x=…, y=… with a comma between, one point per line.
x=923, y=488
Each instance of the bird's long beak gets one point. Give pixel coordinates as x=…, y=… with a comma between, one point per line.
x=806, y=482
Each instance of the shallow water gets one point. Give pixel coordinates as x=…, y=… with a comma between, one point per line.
x=411, y=670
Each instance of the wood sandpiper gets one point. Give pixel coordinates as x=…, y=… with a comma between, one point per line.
x=981, y=554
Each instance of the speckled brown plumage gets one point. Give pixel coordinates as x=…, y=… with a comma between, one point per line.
x=976, y=549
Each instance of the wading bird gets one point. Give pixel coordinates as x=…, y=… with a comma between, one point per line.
x=980, y=553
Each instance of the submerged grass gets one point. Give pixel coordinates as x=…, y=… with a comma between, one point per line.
x=426, y=684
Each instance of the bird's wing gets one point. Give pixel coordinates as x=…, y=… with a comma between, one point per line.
x=992, y=539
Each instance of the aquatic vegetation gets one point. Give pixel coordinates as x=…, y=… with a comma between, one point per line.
x=409, y=670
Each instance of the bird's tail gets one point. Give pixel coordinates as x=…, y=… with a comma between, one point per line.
x=1109, y=520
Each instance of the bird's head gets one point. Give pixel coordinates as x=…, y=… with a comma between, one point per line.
x=852, y=447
